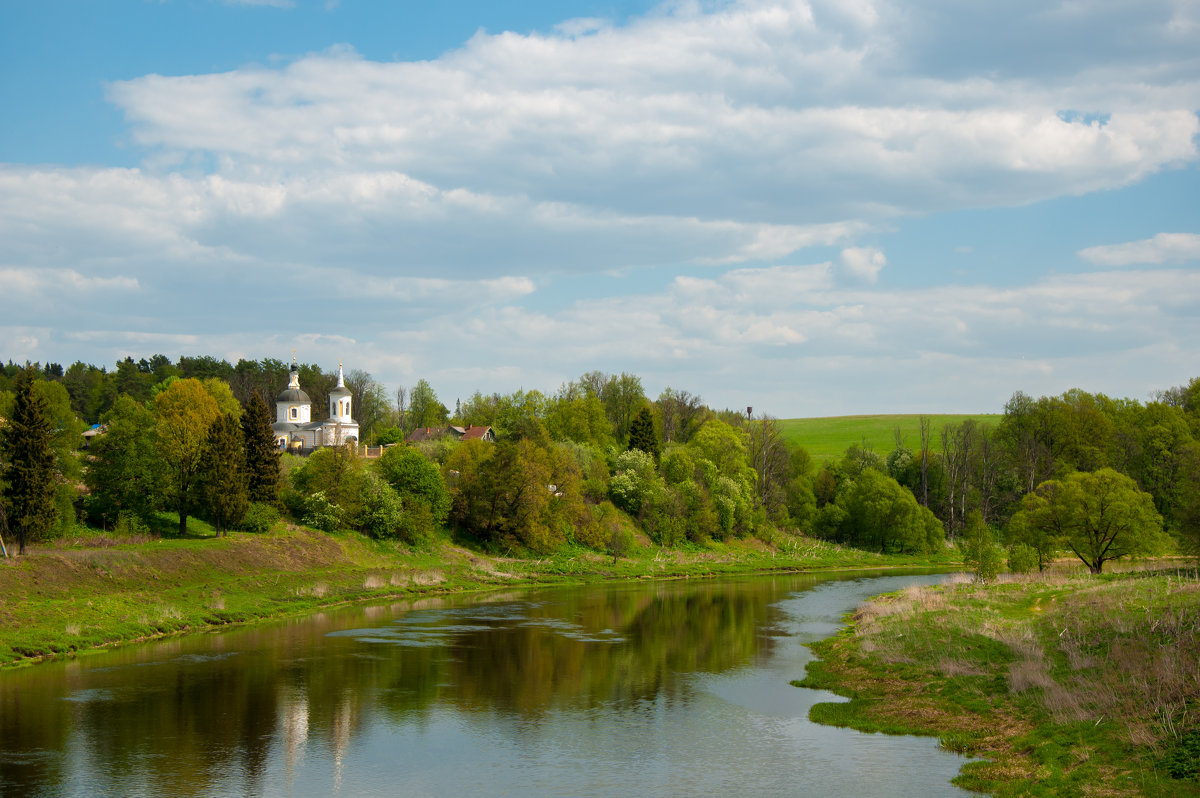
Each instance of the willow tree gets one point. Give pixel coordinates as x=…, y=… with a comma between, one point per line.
x=1099, y=516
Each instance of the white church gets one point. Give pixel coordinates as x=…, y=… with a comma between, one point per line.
x=294, y=427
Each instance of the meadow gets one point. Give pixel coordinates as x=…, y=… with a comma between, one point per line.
x=828, y=438
x=1064, y=683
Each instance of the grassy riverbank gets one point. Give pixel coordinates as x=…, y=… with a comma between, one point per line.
x=1066, y=684
x=98, y=590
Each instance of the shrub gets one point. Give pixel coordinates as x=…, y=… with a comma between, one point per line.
x=382, y=515
x=320, y=513
x=1183, y=760
x=259, y=518
x=980, y=551
x=1022, y=558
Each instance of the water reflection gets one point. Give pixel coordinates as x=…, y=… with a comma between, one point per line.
x=547, y=692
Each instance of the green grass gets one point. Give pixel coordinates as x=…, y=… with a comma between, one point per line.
x=1065, y=684
x=100, y=588
x=828, y=438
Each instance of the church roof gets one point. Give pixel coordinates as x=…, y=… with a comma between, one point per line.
x=293, y=395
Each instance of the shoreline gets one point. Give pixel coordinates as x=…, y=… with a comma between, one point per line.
x=1058, y=684
x=65, y=602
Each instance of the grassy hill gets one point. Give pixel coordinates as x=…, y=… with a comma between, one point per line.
x=828, y=438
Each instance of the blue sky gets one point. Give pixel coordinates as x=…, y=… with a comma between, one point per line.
x=815, y=208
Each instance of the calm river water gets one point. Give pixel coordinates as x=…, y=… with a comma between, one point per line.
x=676, y=688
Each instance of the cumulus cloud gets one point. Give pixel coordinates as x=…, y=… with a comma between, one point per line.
x=824, y=112
x=1162, y=248
x=480, y=217
x=863, y=263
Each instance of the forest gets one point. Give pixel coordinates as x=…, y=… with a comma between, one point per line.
x=597, y=464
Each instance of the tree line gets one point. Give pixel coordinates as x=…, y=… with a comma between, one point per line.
x=594, y=463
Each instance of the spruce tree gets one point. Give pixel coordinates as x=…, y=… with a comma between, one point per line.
x=223, y=484
x=28, y=460
x=262, y=458
x=641, y=433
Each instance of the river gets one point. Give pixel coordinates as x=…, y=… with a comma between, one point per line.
x=668, y=688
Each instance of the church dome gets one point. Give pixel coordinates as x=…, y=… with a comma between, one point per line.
x=291, y=395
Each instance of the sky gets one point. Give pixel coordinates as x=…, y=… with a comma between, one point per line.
x=816, y=208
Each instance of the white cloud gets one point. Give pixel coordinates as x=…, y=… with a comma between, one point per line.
x=863, y=263
x=1162, y=248
x=823, y=112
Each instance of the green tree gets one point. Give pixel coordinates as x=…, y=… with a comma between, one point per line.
x=124, y=475
x=262, y=457
x=414, y=477
x=29, y=477
x=424, y=408
x=335, y=472
x=878, y=513
x=642, y=435
x=382, y=514
x=224, y=483
x=980, y=551
x=1100, y=516
x=183, y=413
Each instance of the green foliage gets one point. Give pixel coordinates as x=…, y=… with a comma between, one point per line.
x=262, y=458
x=876, y=512
x=1022, y=558
x=619, y=544
x=1099, y=516
x=223, y=481
x=260, y=518
x=410, y=474
x=634, y=478
x=980, y=551
x=183, y=411
x=678, y=466
x=1183, y=760
x=642, y=435
x=382, y=513
x=125, y=474
x=424, y=408
x=335, y=472
x=29, y=474
x=66, y=428
x=322, y=514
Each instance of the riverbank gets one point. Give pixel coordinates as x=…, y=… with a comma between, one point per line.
x=1064, y=684
x=96, y=592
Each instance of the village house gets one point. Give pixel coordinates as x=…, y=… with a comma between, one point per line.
x=467, y=433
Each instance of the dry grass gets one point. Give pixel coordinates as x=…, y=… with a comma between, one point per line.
x=1118, y=657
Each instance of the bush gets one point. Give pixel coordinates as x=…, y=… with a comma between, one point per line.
x=980, y=551
x=259, y=518
x=1183, y=760
x=1022, y=558
x=382, y=515
x=320, y=513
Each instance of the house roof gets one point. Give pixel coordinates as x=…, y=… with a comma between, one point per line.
x=476, y=432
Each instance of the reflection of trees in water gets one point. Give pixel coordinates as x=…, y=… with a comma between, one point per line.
x=211, y=719
x=660, y=634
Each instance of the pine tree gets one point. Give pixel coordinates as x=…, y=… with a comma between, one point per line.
x=29, y=472
x=223, y=484
x=262, y=458
x=641, y=433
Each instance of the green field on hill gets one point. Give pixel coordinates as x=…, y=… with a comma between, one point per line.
x=828, y=438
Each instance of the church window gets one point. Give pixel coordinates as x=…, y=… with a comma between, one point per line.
x=294, y=412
